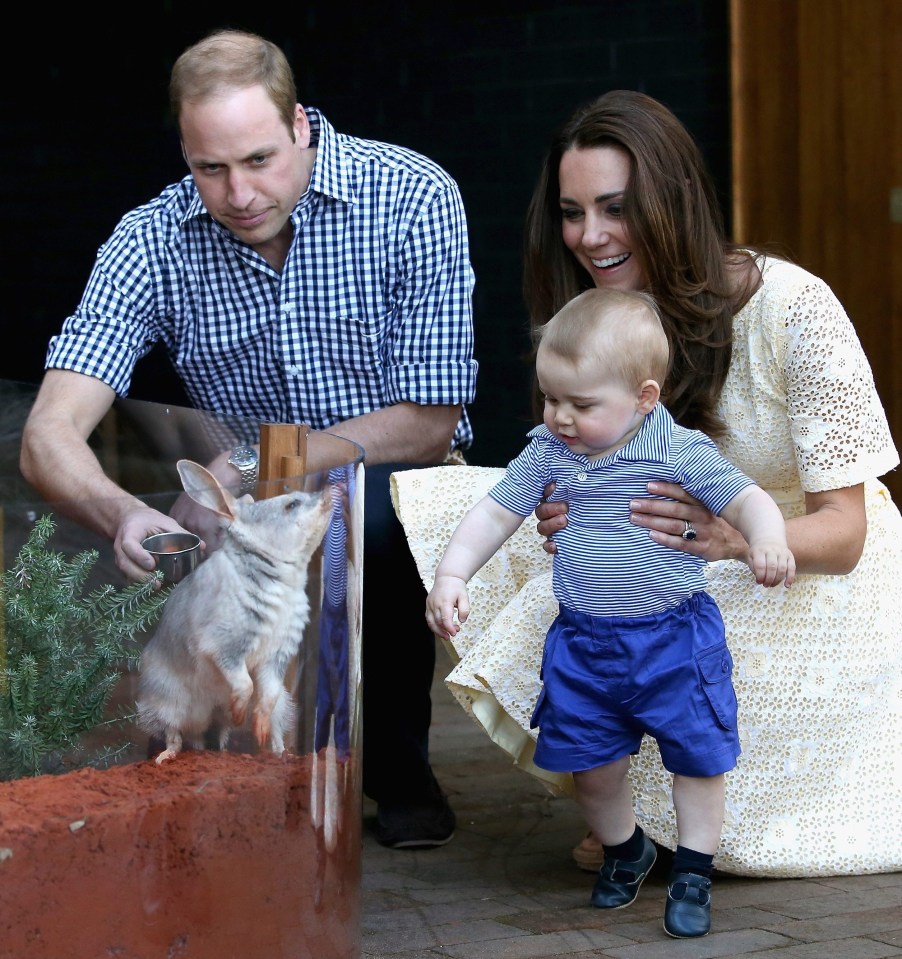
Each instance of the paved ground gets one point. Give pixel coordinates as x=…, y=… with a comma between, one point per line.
x=506, y=888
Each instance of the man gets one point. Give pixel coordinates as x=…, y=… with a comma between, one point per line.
x=296, y=275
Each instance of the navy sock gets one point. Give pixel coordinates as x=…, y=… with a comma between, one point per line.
x=630, y=850
x=688, y=860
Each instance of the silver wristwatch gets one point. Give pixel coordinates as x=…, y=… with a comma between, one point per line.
x=246, y=461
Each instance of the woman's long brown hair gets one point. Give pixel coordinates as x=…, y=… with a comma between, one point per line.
x=675, y=229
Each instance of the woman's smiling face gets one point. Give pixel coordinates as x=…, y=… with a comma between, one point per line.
x=592, y=185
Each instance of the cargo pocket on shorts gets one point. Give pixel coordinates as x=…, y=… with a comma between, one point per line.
x=535, y=720
x=715, y=667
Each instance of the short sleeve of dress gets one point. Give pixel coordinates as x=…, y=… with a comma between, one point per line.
x=839, y=427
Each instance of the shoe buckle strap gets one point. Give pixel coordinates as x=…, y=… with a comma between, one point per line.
x=679, y=890
x=625, y=875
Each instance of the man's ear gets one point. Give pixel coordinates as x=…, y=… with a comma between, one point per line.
x=648, y=394
x=301, y=129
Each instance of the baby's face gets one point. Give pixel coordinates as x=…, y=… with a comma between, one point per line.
x=589, y=411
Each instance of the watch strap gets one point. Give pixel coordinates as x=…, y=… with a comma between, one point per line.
x=244, y=459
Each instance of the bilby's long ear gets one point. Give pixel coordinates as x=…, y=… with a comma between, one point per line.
x=203, y=487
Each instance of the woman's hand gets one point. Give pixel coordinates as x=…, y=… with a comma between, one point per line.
x=665, y=519
x=552, y=517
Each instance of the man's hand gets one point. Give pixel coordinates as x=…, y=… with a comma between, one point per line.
x=209, y=526
x=131, y=557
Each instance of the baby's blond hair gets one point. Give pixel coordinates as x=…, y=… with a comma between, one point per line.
x=620, y=331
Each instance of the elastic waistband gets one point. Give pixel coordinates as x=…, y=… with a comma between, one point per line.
x=691, y=606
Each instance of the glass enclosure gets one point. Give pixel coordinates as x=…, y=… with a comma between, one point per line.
x=179, y=765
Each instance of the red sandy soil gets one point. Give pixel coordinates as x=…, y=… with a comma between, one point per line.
x=208, y=856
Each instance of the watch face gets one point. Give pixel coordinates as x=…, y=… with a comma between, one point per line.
x=243, y=457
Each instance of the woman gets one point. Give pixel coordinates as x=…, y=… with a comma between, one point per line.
x=766, y=362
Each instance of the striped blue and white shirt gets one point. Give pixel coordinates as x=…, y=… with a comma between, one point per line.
x=604, y=565
x=373, y=306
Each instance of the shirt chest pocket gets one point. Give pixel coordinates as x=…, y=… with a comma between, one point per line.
x=348, y=339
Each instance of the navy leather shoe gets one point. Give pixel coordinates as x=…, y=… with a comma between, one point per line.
x=619, y=880
x=687, y=914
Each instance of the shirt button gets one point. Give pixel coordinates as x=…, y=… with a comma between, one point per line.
x=582, y=477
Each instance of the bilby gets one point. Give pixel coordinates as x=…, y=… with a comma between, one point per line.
x=230, y=629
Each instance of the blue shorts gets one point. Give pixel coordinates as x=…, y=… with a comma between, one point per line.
x=609, y=680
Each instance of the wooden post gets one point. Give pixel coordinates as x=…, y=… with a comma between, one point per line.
x=283, y=456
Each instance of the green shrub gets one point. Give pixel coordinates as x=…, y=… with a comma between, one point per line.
x=62, y=654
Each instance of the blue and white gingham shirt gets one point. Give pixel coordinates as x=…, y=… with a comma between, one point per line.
x=605, y=565
x=373, y=306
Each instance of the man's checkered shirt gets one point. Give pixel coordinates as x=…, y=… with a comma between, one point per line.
x=373, y=306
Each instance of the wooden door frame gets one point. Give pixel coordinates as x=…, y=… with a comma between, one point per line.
x=816, y=87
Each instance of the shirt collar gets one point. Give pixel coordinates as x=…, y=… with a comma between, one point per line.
x=196, y=206
x=650, y=444
x=332, y=169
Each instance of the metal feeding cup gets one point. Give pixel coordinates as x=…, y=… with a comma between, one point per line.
x=177, y=554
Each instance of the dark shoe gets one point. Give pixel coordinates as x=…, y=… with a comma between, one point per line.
x=619, y=880
x=687, y=914
x=423, y=825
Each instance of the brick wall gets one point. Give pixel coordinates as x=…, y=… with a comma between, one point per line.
x=88, y=135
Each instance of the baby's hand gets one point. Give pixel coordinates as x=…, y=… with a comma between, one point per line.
x=772, y=563
x=448, y=593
